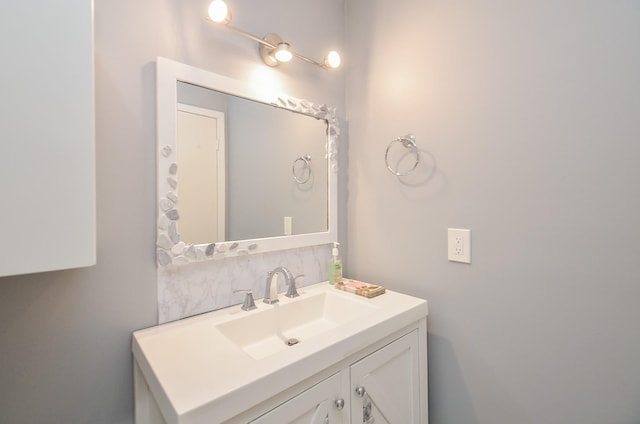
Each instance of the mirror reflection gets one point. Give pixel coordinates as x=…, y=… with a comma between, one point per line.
x=247, y=170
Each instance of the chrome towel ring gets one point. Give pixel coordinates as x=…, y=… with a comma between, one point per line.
x=408, y=142
x=305, y=176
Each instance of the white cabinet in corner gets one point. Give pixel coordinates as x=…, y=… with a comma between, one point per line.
x=47, y=173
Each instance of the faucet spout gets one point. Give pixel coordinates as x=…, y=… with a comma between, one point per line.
x=271, y=290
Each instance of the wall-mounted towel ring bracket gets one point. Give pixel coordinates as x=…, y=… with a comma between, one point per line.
x=305, y=164
x=408, y=142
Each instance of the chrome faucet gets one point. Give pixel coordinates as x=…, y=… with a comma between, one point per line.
x=271, y=291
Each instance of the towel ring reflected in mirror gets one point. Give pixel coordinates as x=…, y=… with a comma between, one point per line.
x=302, y=163
x=408, y=142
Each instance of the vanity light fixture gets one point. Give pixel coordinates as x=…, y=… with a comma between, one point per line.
x=273, y=49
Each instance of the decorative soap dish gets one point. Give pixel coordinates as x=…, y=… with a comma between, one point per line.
x=360, y=288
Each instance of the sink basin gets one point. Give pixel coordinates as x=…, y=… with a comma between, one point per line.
x=286, y=324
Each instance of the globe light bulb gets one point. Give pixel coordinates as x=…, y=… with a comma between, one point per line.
x=332, y=60
x=219, y=12
x=282, y=53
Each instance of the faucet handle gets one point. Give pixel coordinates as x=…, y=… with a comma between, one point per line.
x=292, y=291
x=248, y=303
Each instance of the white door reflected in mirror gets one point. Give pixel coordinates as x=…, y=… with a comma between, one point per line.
x=201, y=161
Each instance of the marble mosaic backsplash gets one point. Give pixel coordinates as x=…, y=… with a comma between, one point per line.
x=186, y=290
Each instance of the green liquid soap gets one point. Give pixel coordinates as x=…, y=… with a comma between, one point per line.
x=335, y=266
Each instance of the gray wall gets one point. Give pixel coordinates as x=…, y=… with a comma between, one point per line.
x=531, y=111
x=65, y=336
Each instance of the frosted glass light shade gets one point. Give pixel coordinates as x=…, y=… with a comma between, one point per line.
x=219, y=12
x=282, y=53
x=333, y=59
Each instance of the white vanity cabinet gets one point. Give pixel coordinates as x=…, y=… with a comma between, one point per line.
x=323, y=403
x=387, y=386
x=47, y=136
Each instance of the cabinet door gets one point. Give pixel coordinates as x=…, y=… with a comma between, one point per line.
x=385, y=386
x=320, y=404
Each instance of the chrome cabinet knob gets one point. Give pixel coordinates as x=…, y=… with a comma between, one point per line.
x=339, y=404
x=360, y=391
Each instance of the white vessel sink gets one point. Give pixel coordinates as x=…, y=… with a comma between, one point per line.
x=199, y=366
x=285, y=325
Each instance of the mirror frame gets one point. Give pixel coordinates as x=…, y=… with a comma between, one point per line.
x=170, y=249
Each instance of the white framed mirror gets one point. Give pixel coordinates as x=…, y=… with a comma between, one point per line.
x=241, y=170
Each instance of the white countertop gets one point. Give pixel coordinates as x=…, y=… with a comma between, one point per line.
x=194, y=371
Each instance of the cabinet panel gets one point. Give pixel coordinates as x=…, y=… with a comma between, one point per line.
x=317, y=405
x=47, y=118
x=386, y=384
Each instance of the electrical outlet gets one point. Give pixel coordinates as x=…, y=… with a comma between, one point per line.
x=459, y=245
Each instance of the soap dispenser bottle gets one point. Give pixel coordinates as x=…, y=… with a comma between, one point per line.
x=335, y=266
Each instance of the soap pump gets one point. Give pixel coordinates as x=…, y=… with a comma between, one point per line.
x=335, y=266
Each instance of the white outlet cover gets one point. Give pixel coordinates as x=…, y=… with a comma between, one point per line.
x=459, y=245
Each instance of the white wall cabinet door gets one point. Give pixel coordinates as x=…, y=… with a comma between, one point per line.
x=47, y=174
x=319, y=404
x=385, y=386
